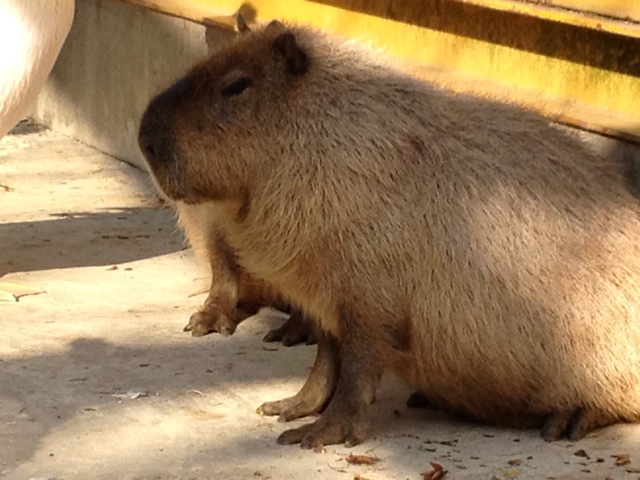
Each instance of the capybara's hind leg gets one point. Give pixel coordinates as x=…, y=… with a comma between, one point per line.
x=295, y=330
x=575, y=424
x=418, y=400
x=587, y=420
x=316, y=391
x=556, y=425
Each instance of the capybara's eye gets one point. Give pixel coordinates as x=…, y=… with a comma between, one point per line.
x=237, y=87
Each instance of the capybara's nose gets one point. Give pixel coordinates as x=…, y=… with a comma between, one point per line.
x=150, y=138
x=152, y=135
x=156, y=127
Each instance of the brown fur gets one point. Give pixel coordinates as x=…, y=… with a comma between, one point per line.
x=233, y=294
x=486, y=256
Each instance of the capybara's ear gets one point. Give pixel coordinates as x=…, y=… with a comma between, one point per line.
x=241, y=24
x=297, y=60
x=274, y=27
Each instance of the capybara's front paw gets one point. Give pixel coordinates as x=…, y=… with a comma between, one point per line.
x=328, y=430
x=297, y=329
x=574, y=424
x=289, y=408
x=207, y=321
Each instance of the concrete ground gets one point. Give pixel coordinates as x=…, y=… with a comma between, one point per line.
x=97, y=379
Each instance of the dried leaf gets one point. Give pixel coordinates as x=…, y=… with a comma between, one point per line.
x=581, y=453
x=516, y=462
x=448, y=443
x=361, y=459
x=132, y=395
x=436, y=473
x=621, y=459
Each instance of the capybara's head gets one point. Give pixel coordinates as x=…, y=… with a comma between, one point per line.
x=208, y=135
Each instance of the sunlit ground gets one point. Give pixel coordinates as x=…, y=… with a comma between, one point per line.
x=97, y=379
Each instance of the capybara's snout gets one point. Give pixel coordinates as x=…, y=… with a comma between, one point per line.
x=156, y=135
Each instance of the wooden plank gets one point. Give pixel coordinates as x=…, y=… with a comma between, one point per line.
x=624, y=9
x=597, y=15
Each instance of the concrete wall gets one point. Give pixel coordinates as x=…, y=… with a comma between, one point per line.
x=115, y=59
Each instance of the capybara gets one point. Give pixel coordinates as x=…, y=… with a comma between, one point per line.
x=486, y=256
x=233, y=294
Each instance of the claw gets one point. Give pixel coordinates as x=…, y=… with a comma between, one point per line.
x=288, y=409
x=207, y=321
x=328, y=430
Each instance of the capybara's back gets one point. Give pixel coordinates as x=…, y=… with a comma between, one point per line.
x=487, y=256
x=530, y=284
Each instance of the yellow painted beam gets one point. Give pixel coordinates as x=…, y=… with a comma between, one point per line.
x=541, y=57
x=621, y=17
x=624, y=9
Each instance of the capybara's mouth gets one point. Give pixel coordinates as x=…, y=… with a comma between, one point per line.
x=167, y=181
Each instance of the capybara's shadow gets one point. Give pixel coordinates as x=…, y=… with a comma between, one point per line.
x=91, y=377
